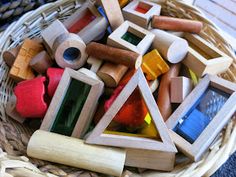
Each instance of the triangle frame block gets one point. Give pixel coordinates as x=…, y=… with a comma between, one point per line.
x=98, y=137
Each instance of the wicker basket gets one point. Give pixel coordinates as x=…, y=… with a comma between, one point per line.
x=14, y=137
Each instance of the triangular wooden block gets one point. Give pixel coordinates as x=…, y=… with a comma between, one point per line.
x=99, y=137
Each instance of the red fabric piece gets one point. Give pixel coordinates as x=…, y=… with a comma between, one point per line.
x=30, y=98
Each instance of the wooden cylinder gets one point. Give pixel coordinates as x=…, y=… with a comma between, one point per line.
x=111, y=74
x=176, y=24
x=41, y=62
x=163, y=99
x=172, y=48
x=74, y=152
x=69, y=51
x=9, y=56
x=114, y=55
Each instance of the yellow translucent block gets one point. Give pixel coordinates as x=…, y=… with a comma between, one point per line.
x=123, y=3
x=128, y=134
x=150, y=130
x=148, y=119
x=154, y=65
x=193, y=77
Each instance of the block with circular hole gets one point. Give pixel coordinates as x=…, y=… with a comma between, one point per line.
x=30, y=98
x=132, y=37
x=153, y=65
x=54, y=76
x=141, y=12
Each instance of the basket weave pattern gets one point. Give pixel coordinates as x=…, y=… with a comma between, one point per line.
x=14, y=137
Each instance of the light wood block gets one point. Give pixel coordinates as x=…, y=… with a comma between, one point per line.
x=99, y=137
x=204, y=58
x=113, y=13
x=74, y=152
x=51, y=33
x=95, y=63
x=171, y=47
x=180, y=87
x=140, y=12
x=217, y=123
x=146, y=38
x=156, y=160
x=88, y=28
x=20, y=69
x=85, y=116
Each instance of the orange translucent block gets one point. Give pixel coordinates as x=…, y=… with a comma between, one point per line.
x=123, y=3
x=154, y=65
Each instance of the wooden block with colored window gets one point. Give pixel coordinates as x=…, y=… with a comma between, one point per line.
x=87, y=23
x=153, y=65
x=20, y=69
x=132, y=37
x=141, y=12
x=68, y=111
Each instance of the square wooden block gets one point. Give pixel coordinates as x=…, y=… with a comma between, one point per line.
x=180, y=87
x=214, y=99
x=87, y=23
x=73, y=104
x=132, y=37
x=204, y=58
x=141, y=12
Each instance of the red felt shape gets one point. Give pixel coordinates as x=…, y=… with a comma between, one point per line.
x=30, y=98
x=54, y=76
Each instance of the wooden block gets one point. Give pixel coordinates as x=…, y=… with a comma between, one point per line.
x=111, y=74
x=9, y=56
x=204, y=58
x=41, y=62
x=68, y=111
x=30, y=101
x=140, y=12
x=11, y=110
x=153, y=65
x=52, y=32
x=180, y=87
x=76, y=153
x=95, y=63
x=123, y=3
x=163, y=97
x=171, y=47
x=69, y=51
x=113, y=13
x=114, y=55
x=99, y=137
x=132, y=37
x=21, y=69
x=176, y=24
x=86, y=22
x=156, y=160
x=215, y=99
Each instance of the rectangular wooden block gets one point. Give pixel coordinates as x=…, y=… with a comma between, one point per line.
x=180, y=87
x=52, y=32
x=140, y=12
x=204, y=58
x=68, y=111
x=86, y=22
x=156, y=160
x=132, y=37
x=21, y=69
x=113, y=13
x=215, y=98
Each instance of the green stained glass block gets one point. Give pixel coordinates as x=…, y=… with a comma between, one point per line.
x=71, y=108
x=131, y=38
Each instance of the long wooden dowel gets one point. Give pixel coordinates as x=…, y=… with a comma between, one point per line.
x=163, y=100
x=73, y=152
